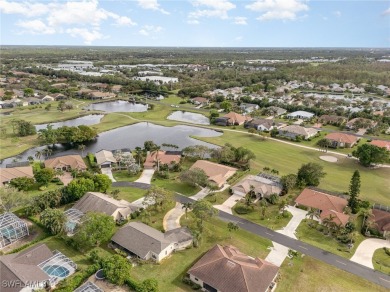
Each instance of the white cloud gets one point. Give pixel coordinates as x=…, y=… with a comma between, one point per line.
x=77, y=18
x=193, y=21
x=240, y=20
x=337, y=13
x=151, y=5
x=238, y=39
x=211, y=8
x=35, y=27
x=386, y=12
x=278, y=9
x=87, y=35
x=148, y=30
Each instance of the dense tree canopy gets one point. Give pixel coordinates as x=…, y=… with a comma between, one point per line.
x=370, y=154
x=310, y=174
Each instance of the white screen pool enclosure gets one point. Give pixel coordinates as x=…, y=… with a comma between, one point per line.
x=88, y=287
x=58, y=267
x=12, y=228
x=74, y=217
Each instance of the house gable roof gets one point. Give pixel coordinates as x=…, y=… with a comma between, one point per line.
x=216, y=172
x=227, y=269
x=381, y=143
x=141, y=239
x=7, y=174
x=341, y=137
x=104, y=156
x=73, y=161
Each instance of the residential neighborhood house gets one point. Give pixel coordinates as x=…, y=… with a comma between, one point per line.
x=105, y=159
x=293, y=131
x=145, y=242
x=7, y=174
x=226, y=269
x=263, y=186
x=66, y=163
x=231, y=119
x=328, y=206
x=300, y=115
x=218, y=174
x=341, y=140
x=163, y=157
x=34, y=268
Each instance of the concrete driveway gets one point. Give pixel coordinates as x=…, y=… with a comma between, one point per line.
x=172, y=218
x=229, y=203
x=201, y=194
x=365, y=251
x=66, y=178
x=107, y=171
x=146, y=176
x=279, y=252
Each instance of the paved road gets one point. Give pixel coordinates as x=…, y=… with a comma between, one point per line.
x=317, y=253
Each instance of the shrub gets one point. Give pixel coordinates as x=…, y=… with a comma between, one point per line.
x=387, y=250
x=241, y=210
x=162, y=174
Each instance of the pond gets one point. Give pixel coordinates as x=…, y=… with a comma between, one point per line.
x=189, y=118
x=118, y=106
x=85, y=120
x=130, y=137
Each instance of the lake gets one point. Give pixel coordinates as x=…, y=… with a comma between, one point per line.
x=189, y=118
x=130, y=137
x=85, y=120
x=118, y=106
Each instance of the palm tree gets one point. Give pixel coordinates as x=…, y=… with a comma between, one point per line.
x=187, y=206
x=249, y=196
x=156, y=150
x=82, y=147
x=232, y=227
x=59, y=172
x=138, y=155
x=47, y=152
x=313, y=213
x=327, y=221
x=38, y=155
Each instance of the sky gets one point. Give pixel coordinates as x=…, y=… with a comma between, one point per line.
x=196, y=23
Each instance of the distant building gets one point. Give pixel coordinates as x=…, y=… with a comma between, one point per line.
x=263, y=187
x=381, y=143
x=164, y=157
x=230, y=119
x=261, y=124
x=66, y=163
x=300, y=115
x=105, y=159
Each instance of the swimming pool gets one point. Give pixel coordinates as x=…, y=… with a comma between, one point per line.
x=55, y=270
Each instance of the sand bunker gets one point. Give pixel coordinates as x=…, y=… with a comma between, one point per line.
x=329, y=158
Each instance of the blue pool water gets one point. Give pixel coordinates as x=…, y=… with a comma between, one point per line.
x=57, y=271
x=70, y=226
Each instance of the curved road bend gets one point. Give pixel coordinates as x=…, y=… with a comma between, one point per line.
x=307, y=249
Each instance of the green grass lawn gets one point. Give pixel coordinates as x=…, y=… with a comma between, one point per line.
x=170, y=272
x=287, y=159
x=218, y=198
x=128, y=193
x=273, y=219
x=307, y=274
x=316, y=238
x=175, y=185
x=381, y=261
x=124, y=175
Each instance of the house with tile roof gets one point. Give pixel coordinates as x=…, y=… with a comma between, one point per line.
x=218, y=174
x=293, y=131
x=341, y=140
x=66, y=163
x=263, y=186
x=381, y=220
x=381, y=143
x=105, y=159
x=300, y=115
x=7, y=174
x=145, y=242
x=164, y=157
x=231, y=119
x=328, y=206
x=226, y=269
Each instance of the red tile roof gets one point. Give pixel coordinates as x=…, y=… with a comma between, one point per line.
x=381, y=219
x=227, y=269
x=341, y=137
x=163, y=157
x=381, y=143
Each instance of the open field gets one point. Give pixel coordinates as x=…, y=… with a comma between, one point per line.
x=307, y=274
x=287, y=159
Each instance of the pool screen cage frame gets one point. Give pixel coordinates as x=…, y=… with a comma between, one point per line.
x=88, y=287
x=60, y=261
x=75, y=216
x=12, y=228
